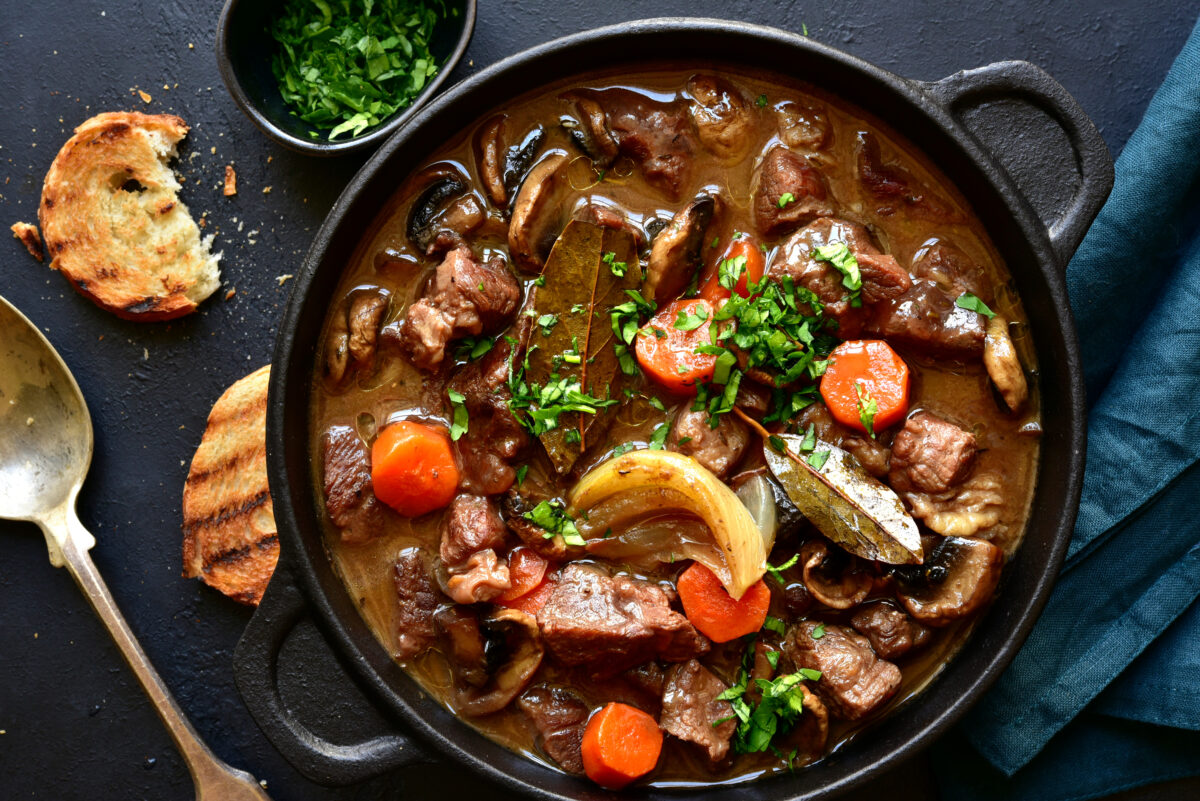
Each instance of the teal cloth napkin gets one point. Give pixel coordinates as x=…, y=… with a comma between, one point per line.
x=1105, y=693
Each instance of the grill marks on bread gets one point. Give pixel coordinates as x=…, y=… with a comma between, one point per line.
x=229, y=536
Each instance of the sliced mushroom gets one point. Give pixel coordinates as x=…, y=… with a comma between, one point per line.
x=539, y=213
x=516, y=637
x=520, y=158
x=958, y=578
x=722, y=117
x=590, y=132
x=465, y=644
x=833, y=576
x=1003, y=366
x=337, y=349
x=675, y=255
x=489, y=153
x=443, y=184
x=354, y=331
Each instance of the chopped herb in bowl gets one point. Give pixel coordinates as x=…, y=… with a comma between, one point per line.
x=345, y=66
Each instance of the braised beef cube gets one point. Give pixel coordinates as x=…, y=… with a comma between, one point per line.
x=516, y=506
x=611, y=623
x=882, y=277
x=494, y=435
x=930, y=455
x=950, y=268
x=854, y=681
x=349, y=493
x=472, y=524
x=692, y=712
x=719, y=449
x=891, y=632
x=926, y=319
x=560, y=717
x=417, y=600
x=790, y=192
x=895, y=188
x=658, y=136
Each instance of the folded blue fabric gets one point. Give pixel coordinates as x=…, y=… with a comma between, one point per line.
x=1120, y=636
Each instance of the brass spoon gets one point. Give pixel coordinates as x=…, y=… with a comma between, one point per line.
x=45, y=451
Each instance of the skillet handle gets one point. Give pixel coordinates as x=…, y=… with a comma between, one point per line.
x=256, y=672
x=1041, y=137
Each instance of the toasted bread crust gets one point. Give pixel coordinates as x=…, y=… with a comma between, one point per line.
x=30, y=238
x=114, y=225
x=229, y=535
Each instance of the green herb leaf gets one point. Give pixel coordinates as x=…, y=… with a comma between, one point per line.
x=690, y=319
x=471, y=348
x=776, y=571
x=547, y=323
x=552, y=517
x=968, y=301
x=521, y=473
x=819, y=631
x=618, y=268
x=839, y=255
x=658, y=437
x=867, y=407
x=786, y=198
x=762, y=101
x=818, y=459
x=774, y=624
x=459, y=423
x=810, y=674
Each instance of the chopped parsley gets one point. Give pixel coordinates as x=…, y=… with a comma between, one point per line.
x=867, y=407
x=762, y=101
x=622, y=449
x=657, y=404
x=347, y=67
x=684, y=440
x=626, y=319
x=774, y=624
x=968, y=301
x=538, y=407
x=547, y=323
x=730, y=271
x=658, y=437
x=459, y=421
x=690, y=319
x=817, y=460
x=777, y=443
x=776, y=712
x=471, y=348
x=786, y=198
x=818, y=631
x=810, y=439
x=839, y=255
x=551, y=516
x=777, y=571
x=521, y=472
x=618, y=267
x=716, y=242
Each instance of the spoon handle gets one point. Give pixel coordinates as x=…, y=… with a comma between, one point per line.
x=213, y=778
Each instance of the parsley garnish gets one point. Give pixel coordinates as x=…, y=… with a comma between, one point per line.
x=691, y=319
x=818, y=459
x=818, y=631
x=762, y=101
x=684, y=440
x=622, y=449
x=774, y=624
x=626, y=318
x=547, y=323
x=346, y=67
x=810, y=439
x=658, y=437
x=540, y=406
x=471, y=348
x=786, y=198
x=867, y=407
x=842, y=258
x=777, y=711
x=657, y=404
x=618, y=267
x=968, y=301
x=729, y=271
x=552, y=517
x=458, y=425
x=776, y=571
x=521, y=472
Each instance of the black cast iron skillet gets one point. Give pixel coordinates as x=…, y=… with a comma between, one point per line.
x=1019, y=148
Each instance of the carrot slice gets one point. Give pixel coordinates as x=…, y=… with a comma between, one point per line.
x=413, y=468
x=746, y=247
x=666, y=346
x=866, y=385
x=526, y=569
x=531, y=602
x=621, y=743
x=713, y=611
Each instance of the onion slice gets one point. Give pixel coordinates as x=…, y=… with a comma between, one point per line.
x=733, y=529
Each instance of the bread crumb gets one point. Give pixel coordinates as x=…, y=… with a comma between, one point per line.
x=213, y=150
x=145, y=96
x=30, y=238
x=283, y=279
x=191, y=46
x=269, y=159
x=229, y=295
x=145, y=354
x=266, y=190
x=230, y=181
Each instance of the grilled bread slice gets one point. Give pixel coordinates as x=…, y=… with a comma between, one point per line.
x=114, y=224
x=229, y=535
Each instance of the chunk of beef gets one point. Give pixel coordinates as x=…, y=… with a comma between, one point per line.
x=657, y=136
x=691, y=709
x=466, y=298
x=349, y=493
x=465, y=644
x=950, y=268
x=718, y=449
x=483, y=577
x=471, y=524
x=494, y=436
x=606, y=216
x=891, y=632
x=803, y=126
x=930, y=455
x=873, y=454
x=723, y=118
x=854, y=682
x=611, y=623
x=418, y=598
x=882, y=277
x=516, y=506
x=926, y=318
x=783, y=173
x=560, y=717
x=894, y=188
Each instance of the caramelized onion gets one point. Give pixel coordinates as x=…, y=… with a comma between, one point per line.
x=666, y=482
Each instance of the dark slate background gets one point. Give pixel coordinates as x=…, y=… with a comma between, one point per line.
x=73, y=721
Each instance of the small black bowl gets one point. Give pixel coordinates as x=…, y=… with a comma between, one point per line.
x=244, y=50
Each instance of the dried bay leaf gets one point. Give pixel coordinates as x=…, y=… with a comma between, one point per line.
x=572, y=319
x=847, y=504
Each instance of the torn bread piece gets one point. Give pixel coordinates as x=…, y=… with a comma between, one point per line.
x=229, y=536
x=30, y=238
x=114, y=224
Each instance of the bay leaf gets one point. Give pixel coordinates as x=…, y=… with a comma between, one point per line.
x=855, y=510
x=572, y=312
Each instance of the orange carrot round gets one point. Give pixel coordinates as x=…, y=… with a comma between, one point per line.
x=667, y=352
x=713, y=611
x=531, y=602
x=861, y=373
x=621, y=743
x=413, y=468
x=526, y=569
x=746, y=247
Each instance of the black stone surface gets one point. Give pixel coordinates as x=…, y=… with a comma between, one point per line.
x=73, y=721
